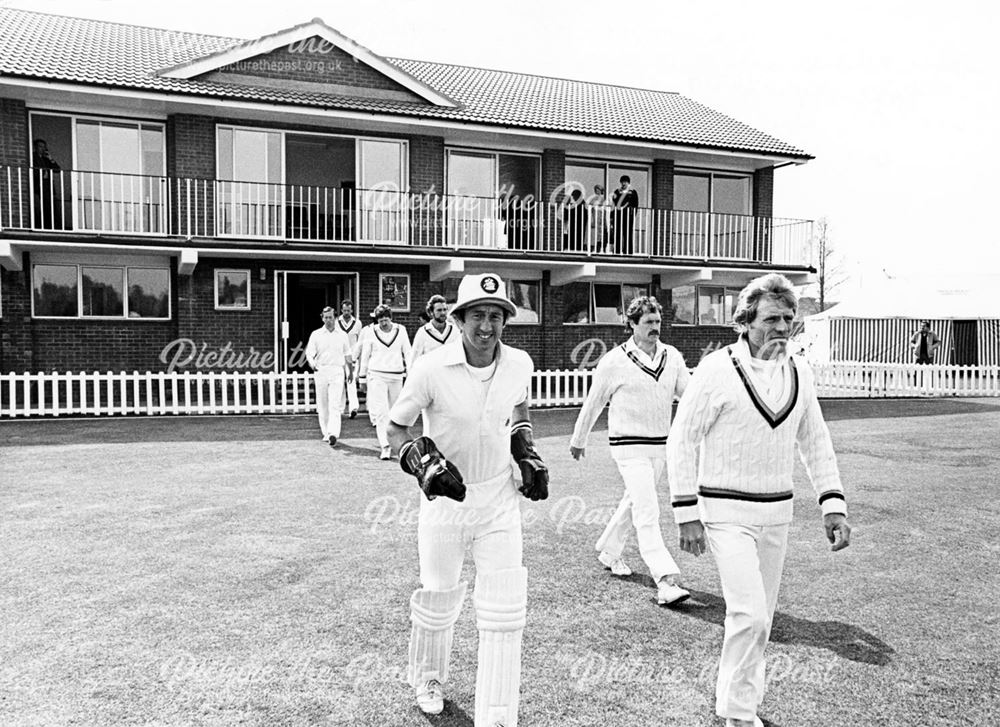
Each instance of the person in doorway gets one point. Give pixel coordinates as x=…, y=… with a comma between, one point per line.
x=730, y=457
x=640, y=378
x=438, y=330
x=48, y=187
x=351, y=327
x=473, y=399
x=329, y=355
x=925, y=343
x=625, y=204
x=385, y=359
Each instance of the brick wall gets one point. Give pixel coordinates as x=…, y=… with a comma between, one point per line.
x=16, y=352
x=553, y=172
x=427, y=164
x=763, y=192
x=316, y=61
x=13, y=133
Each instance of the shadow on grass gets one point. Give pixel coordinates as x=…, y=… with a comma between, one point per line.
x=844, y=640
x=452, y=716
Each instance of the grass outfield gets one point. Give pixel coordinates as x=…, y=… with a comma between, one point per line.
x=225, y=571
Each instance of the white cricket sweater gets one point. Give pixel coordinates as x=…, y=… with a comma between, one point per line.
x=385, y=354
x=428, y=338
x=747, y=448
x=641, y=391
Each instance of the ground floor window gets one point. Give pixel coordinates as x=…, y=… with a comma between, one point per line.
x=100, y=291
x=599, y=302
x=705, y=305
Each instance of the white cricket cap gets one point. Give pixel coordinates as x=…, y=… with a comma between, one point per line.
x=483, y=288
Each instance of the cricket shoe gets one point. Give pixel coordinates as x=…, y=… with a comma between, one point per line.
x=617, y=565
x=333, y=441
x=430, y=697
x=668, y=593
x=755, y=722
x=386, y=453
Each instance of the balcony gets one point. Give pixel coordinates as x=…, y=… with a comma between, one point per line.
x=89, y=203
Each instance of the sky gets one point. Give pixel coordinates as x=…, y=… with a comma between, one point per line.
x=897, y=101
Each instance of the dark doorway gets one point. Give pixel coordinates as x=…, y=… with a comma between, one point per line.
x=320, y=178
x=305, y=296
x=966, y=343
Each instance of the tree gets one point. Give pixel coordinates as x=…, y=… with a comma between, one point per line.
x=832, y=272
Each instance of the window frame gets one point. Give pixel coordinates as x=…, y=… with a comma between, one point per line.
x=215, y=276
x=79, y=292
x=593, y=304
x=513, y=321
x=697, y=307
x=409, y=291
x=711, y=174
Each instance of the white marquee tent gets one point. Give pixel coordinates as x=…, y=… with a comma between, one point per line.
x=875, y=325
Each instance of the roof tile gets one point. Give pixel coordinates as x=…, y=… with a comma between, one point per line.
x=55, y=47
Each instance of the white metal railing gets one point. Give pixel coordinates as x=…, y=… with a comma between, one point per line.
x=208, y=392
x=75, y=201
x=711, y=236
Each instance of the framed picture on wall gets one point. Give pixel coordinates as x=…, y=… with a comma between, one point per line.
x=395, y=291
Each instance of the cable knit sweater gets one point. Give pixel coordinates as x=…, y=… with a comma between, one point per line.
x=747, y=448
x=641, y=391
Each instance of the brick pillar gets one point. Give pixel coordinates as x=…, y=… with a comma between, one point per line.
x=427, y=184
x=553, y=177
x=16, y=348
x=663, y=199
x=15, y=201
x=191, y=166
x=763, y=207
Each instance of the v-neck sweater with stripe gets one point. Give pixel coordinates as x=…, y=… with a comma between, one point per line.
x=747, y=447
x=387, y=355
x=641, y=391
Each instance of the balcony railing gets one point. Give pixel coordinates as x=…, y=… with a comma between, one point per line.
x=130, y=204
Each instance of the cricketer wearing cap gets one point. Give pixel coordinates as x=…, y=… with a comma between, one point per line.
x=474, y=402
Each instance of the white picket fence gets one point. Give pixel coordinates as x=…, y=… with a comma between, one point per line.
x=153, y=394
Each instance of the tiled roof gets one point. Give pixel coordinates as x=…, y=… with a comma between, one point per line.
x=54, y=47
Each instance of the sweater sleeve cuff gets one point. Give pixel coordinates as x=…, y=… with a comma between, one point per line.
x=833, y=503
x=685, y=510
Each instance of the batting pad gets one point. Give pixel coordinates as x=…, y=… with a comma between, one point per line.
x=433, y=614
x=501, y=600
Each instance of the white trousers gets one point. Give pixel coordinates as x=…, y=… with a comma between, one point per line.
x=640, y=508
x=382, y=394
x=750, y=559
x=352, y=394
x=329, y=399
x=488, y=521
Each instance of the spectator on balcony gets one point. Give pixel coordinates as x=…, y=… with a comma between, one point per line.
x=708, y=318
x=598, y=204
x=48, y=187
x=624, y=202
x=575, y=221
x=924, y=343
